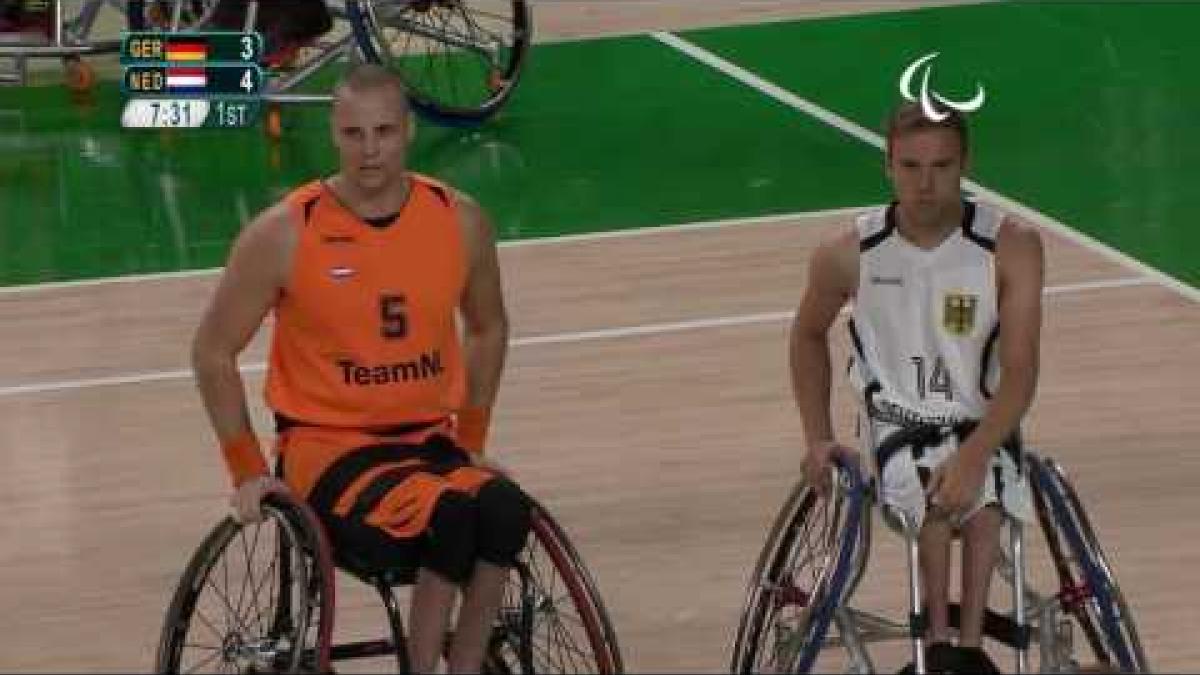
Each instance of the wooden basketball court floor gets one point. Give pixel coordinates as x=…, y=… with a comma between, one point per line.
x=646, y=402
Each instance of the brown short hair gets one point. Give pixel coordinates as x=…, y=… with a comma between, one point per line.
x=910, y=116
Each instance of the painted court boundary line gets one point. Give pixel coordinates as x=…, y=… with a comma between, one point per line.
x=512, y=243
x=534, y=340
x=844, y=125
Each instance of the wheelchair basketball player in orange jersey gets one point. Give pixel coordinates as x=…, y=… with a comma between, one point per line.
x=381, y=398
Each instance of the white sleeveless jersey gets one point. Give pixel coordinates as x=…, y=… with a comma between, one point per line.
x=925, y=323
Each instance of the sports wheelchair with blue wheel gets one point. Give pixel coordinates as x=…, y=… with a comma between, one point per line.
x=797, y=617
x=259, y=598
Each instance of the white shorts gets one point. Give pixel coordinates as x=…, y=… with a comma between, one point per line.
x=901, y=488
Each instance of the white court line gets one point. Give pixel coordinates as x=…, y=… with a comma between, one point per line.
x=694, y=226
x=516, y=243
x=554, y=338
x=842, y=124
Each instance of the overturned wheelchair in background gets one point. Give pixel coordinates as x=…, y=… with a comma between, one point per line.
x=798, y=618
x=460, y=59
x=259, y=598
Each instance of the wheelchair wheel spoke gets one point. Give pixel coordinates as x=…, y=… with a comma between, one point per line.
x=240, y=625
x=196, y=668
x=565, y=641
x=248, y=579
x=267, y=578
x=203, y=619
x=224, y=575
x=454, y=60
x=480, y=12
x=449, y=60
x=557, y=660
x=561, y=652
x=254, y=586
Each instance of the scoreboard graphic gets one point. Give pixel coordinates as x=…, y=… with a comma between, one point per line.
x=191, y=80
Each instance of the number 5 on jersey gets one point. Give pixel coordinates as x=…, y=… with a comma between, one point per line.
x=393, y=317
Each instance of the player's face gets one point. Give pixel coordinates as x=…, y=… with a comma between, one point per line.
x=926, y=168
x=370, y=131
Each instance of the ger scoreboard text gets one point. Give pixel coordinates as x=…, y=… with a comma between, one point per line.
x=191, y=80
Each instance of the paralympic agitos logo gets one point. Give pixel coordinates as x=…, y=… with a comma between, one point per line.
x=927, y=95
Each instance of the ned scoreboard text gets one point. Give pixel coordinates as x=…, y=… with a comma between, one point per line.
x=191, y=80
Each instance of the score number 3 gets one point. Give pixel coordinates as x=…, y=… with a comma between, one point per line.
x=249, y=49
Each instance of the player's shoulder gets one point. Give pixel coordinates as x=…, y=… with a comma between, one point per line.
x=270, y=236
x=1020, y=258
x=872, y=226
x=1017, y=236
x=849, y=234
x=836, y=257
x=443, y=193
x=461, y=202
x=1014, y=226
x=472, y=216
x=274, y=222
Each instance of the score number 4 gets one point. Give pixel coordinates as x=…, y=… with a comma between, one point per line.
x=248, y=82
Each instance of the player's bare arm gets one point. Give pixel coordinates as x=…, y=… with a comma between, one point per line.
x=832, y=281
x=485, y=318
x=254, y=276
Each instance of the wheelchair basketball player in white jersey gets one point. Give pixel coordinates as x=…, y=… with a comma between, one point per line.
x=946, y=321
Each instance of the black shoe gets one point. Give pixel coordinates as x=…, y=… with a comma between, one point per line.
x=940, y=657
x=974, y=660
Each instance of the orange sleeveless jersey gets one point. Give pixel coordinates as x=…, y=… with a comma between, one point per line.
x=365, y=332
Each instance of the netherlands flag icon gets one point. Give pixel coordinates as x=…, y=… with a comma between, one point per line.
x=186, y=80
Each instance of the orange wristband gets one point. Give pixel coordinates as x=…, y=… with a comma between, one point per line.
x=473, y=428
x=244, y=458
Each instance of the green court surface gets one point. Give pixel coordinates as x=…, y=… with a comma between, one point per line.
x=1091, y=111
x=1086, y=120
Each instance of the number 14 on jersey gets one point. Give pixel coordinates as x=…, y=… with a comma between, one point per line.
x=933, y=379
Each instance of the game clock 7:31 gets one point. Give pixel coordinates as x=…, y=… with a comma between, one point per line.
x=189, y=113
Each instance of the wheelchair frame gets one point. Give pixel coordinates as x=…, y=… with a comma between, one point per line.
x=69, y=40
x=1094, y=599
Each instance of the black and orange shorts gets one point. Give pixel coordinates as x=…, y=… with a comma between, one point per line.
x=400, y=505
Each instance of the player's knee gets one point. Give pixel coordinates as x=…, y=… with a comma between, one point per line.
x=504, y=521
x=451, y=534
x=984, y=524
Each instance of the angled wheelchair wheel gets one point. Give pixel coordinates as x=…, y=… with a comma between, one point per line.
x=801, y=577
x=552, y=619
x=255, y=598
x=1088, y=587
x=461, y=59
